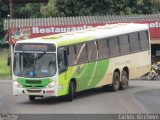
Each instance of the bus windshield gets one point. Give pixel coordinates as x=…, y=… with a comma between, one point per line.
x=34, y=65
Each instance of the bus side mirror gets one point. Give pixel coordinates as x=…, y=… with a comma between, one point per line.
x=9, y=60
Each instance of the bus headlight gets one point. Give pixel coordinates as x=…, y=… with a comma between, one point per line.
x=51, y=84
x=17, y=84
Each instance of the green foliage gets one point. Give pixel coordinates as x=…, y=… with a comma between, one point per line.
x=4, y=10
x=99, y=7
x=4, y=69
x=145, y=6
x=30, y=10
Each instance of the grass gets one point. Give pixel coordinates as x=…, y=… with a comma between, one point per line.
x=4, y=69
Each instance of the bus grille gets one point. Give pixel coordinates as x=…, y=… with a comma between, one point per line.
x=34, y=83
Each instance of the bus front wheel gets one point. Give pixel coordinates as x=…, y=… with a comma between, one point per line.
x=116, y=81
x=71, y=91
x=124, y=80
x=31, y=98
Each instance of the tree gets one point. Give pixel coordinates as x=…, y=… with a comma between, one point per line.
x=3, y=14
x=29, y=10
x=99, y=7
x=145, y=6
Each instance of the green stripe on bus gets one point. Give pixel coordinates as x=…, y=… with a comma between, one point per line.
x=94, y=73
x=87, y=75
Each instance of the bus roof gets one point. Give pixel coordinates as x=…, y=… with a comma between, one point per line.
x=107, y=30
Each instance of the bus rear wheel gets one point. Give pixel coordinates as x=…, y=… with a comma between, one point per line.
x=31, y=98
x=71, y=91
x=124, y=80
x=116, y=81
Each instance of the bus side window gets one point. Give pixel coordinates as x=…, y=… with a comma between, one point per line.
x=144, y=40
x=114, y=46
x=72, y=57
x=134, y=42
x=62, y=60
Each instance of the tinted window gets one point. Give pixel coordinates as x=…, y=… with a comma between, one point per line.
x=134, y=42
x=114, y=46
x=124, y=44
x=144, y=40
x=72, y=57
x=92, y=50
x=81, y=53
x=103, y=48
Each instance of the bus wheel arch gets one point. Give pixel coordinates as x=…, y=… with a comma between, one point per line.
x=124, y=78
x=116, y=80
x=71, y=89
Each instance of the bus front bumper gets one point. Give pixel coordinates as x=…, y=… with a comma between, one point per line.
x=37, y=92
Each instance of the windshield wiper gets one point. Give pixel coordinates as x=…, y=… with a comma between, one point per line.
x=40, y=56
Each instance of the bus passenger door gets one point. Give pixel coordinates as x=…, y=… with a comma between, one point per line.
x=62, y=69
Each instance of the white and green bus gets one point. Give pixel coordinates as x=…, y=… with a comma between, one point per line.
x=66, y=63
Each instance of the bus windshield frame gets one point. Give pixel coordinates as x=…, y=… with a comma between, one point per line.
x=35, y=63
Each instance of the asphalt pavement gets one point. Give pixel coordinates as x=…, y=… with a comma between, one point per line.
x=142, y=96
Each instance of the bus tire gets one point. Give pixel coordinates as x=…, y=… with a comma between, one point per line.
x=71, y=91
x=124, y=80
x=116, y=81
x=31, y=98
